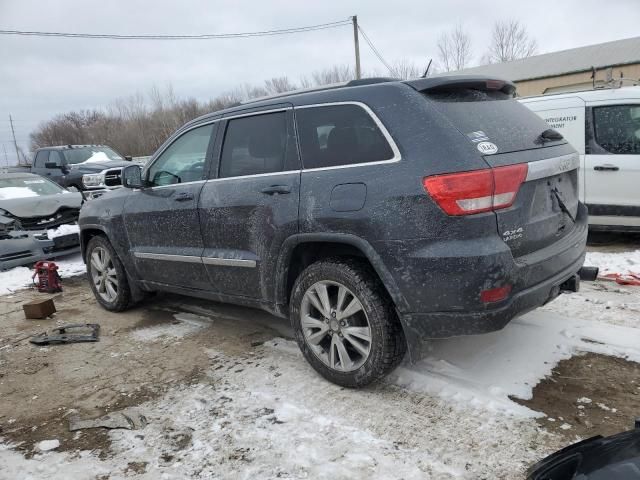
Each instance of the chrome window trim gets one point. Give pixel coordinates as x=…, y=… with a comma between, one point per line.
x=174, y=185
x=258, y=112
x=228, y=262
x=269, y=174
x=169, y=258
x=552, y=166
x=385, y=133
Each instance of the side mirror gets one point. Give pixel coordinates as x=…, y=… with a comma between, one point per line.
x=128, y=158
x=52, y=165
x=132, y=176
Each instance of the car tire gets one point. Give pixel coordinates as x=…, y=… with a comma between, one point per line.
x=345, y=323
x=107, y=276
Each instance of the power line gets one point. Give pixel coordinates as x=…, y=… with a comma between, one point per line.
x=207, y=36
x=376, y=52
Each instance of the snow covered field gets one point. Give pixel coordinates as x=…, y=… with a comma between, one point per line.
x=262, y=412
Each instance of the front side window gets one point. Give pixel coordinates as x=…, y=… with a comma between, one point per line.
x=339, y=135
x=617, y=128
x=254, y=145
x=184, y=160
x=55, y=157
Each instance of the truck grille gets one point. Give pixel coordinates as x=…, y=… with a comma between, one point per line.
x=113, y=177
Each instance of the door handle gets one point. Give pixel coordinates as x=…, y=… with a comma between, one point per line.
x=183, y=197
x=273, y=189
x=602, y=168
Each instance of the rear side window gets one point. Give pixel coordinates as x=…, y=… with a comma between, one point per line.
x=338, y=135
x=617, y=128
x=254, y=145
x=42, y=157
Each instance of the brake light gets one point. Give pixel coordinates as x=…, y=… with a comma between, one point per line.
x=466, y=193
x=495, y=294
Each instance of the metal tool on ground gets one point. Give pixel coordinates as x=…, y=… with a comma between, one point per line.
x=127, y=419
x=48, y=277
x=72, y=333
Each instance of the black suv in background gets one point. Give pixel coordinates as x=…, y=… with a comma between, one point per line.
x=67, y=165
x=374, y=215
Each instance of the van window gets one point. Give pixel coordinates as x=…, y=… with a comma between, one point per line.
x=617, y=128
x=254, y=145
x=42, y=157
x=339, y=135
x=183, y=161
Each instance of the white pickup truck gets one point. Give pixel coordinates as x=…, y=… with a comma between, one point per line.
x=603, y=125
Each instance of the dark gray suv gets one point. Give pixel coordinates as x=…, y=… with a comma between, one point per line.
x=374, y=215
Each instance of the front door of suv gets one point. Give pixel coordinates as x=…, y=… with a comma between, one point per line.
x=250, y=206
x=162, y=220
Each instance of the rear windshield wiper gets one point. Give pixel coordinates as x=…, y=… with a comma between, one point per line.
x=550, y=135
x=562, y=205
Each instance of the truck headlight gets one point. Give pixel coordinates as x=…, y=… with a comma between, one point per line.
x=90, y=180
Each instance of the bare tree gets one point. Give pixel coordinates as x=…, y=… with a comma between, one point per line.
x=407, y=69
x=278, y=85
x=454, y=49
x=510, y=41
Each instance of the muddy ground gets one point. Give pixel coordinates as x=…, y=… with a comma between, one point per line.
x=41, y=387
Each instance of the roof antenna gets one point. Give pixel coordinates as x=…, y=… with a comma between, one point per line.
x=593, y=77
x=426, y=72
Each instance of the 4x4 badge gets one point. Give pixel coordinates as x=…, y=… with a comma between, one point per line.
x=487, y=148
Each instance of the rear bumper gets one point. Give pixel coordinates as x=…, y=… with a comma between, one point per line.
x=442, y=282
x=26, y=248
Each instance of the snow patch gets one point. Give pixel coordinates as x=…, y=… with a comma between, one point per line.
x=46, y=445
x=11, y=193
x=622, y=262
x=20, y=277
x=62, y=230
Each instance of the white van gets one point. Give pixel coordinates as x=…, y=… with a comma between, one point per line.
x=603, y=125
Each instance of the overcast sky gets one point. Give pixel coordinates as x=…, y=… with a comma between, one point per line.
x=40, y=77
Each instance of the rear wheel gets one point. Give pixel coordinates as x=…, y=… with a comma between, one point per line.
x=107, y=276
x=345, y=323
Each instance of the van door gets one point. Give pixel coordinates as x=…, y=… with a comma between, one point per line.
x=612, y=163
x=250, y=205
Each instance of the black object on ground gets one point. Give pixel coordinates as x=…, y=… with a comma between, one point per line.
x=598, y=458
x=62, y=335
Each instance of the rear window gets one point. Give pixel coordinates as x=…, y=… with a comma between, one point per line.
x=491, y=116
x=338, y=135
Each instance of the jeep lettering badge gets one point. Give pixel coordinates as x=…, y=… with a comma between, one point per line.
x=487, y=148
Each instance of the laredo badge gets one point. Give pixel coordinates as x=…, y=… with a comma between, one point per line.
x=487, y=148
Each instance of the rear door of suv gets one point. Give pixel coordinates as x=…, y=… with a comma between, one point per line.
x=249, y=206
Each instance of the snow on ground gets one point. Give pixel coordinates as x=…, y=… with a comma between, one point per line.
x=483, y=371
x=619, y=262
x=62, y=230
x=20, y=277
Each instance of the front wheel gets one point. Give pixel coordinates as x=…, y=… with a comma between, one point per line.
x=345, y=323
x=107, y=276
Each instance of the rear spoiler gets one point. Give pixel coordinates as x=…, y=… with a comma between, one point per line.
x=455, y=82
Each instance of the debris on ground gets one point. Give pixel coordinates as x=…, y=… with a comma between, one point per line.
x=129, y=420
x=39, y=308
x=62, y=335
x=46, y=445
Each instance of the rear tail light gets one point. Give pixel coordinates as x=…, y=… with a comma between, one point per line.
x=495, y=294
x=477, y=191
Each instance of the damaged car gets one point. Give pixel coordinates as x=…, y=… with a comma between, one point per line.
x=38, y=219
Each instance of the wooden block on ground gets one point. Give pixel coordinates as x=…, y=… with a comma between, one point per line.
x=39, y=308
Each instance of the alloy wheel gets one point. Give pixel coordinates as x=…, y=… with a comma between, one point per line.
x=335, y=326
x=103, y=274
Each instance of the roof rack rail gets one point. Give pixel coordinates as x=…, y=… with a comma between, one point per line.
x=370, y=81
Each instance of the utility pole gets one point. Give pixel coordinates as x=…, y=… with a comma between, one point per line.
x=15, y=144
x=356, y=45
x=6, y=159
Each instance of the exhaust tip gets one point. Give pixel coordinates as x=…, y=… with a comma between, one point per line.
x=588, y=274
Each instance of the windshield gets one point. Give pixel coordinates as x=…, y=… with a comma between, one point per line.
x=23, y=187
x=91, y=154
